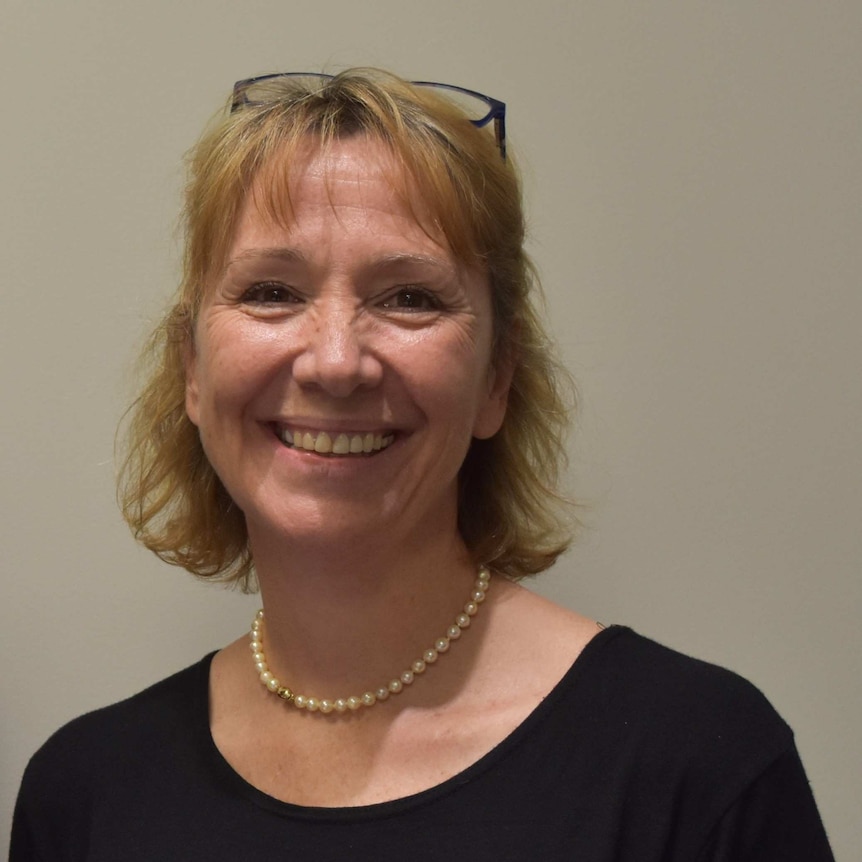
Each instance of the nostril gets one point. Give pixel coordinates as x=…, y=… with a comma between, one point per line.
x=339, y=370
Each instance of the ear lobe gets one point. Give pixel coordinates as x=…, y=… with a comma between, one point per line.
x=490, y=417
x=192, y=392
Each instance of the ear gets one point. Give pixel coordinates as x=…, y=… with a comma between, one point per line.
x=491, y=414
x=191, y=370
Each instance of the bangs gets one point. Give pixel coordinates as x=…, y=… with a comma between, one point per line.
x=433, y=205
x=443, y=169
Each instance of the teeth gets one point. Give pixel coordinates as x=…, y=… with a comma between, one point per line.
x=343, y=444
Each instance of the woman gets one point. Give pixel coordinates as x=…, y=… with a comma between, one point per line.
x=353, y=404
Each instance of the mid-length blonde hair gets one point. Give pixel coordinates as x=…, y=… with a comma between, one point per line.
x=511, y=514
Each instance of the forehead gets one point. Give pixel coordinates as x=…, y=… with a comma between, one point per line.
x=352, y=186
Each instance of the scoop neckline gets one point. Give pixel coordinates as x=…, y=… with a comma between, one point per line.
x=392, y=807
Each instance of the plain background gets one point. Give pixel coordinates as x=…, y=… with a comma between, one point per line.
x=692, y=172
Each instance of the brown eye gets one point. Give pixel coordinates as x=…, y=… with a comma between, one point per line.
x=412, y=299
x=269, y=293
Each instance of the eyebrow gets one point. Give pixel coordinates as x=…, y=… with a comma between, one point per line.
x=291, y=255
x=395, y=260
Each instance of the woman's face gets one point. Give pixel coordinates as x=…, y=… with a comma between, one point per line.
x=342, y=362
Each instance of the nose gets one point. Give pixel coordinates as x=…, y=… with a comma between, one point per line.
x=335, y=355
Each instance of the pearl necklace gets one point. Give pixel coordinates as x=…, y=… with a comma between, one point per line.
x=395, y=686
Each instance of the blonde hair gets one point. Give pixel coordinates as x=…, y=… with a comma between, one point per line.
x=511, y=514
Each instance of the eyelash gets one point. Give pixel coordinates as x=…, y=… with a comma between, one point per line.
x=274, y=294
x=269, y=293
x=429, y=300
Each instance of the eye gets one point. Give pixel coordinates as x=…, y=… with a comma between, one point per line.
x=412, y=299
x=269, y=293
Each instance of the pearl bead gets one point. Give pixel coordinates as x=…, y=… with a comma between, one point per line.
x=395, y=686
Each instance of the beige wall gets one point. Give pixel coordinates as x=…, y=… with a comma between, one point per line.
x=693, y=172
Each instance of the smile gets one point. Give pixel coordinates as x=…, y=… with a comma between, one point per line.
x=341, y=445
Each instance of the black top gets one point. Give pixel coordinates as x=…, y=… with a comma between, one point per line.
x=639, y=753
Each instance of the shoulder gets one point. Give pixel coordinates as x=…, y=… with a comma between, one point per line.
x=649, y=692
x=96, y=766
x=679, y=740
x=678, y=714
x=109, y=739
x=654, y=680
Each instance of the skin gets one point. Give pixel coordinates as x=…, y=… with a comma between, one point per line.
x=352, y=320
x=356, y=318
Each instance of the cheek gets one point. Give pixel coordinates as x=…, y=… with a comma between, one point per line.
x=224, y=378
x=452, y=379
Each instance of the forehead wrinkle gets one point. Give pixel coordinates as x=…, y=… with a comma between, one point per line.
x=277, y=181
x=271, y=198
x=380, y=168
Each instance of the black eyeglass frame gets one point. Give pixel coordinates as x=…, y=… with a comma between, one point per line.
x=496, y=108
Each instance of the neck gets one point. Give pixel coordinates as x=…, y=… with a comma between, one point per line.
x=342, y=617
